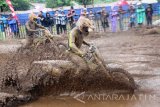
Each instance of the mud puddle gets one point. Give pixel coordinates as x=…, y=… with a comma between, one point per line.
x=139, y=56
x=136, y=100
x=72, y=103
x=147, y=95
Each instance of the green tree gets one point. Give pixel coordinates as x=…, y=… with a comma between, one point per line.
x=17, y=4
x=36, y=1
x=85, y=2
x=21, y=4
x=57, y=3
x=3, y=5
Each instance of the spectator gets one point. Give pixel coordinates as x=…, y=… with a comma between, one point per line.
x=2, y=27
x=3, y=21
x=70, y=16
x=41, y=16
x=84, y=12
x=121, y=13
x=158, y=9
x=114, y=16
x=96, y=22
x=91, y=15
x=63, y=22
x=140, y=12
x=149, y=13
x=48, y=22
x=104, y=18
x=57, y=21
x=13, y=24
x=132, y=16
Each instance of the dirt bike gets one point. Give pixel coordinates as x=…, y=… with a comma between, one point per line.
x=117, y=75
x=42, y=38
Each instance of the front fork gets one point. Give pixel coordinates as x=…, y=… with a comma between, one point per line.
x=100, y=62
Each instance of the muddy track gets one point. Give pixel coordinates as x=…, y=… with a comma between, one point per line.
x=30, y=81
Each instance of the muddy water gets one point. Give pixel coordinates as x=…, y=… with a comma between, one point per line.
x=70, y=102
x=146, y=96
x=138, y=55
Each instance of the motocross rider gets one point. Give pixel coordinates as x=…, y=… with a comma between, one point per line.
x=32, y=28
x=76, y=39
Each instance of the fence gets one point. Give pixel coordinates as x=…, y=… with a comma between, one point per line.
x=6, y=31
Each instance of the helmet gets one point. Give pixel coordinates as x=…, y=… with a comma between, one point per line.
x=33, y=16
x=84, y=22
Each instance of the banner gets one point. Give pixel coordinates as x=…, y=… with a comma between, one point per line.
x=12, y=9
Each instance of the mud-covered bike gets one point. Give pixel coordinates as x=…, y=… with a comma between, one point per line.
x=117, y=75
x=43, y=37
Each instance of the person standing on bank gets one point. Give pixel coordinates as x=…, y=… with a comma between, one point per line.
x=104, y=19
x=121, y=13
x=132, y=16
x=63, y=22
x=57, y=21
x=41, y=16
x=91, y=15
x=140, y=13
x=3, y=22
x=13, y=24
x=84, y=12
x=48, y=22
x=114, y=16
x=70, y=16
x=149, y=14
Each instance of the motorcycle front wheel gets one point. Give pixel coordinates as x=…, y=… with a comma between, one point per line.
x=122, y=78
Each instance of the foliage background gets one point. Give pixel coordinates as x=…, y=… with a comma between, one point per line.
x=26, y=4
x=57, y=3
x=17, y=4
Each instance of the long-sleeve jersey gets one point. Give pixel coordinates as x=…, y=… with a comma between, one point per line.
x=31, y=27
x=76, y=39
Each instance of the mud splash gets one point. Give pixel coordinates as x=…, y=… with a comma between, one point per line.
x=139, y=55
x=23, y=77
x=128, y=51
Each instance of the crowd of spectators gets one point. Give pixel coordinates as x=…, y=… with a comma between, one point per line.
x=114, y=19
x=9, y=25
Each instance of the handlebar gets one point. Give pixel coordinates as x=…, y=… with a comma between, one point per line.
x=89, y=55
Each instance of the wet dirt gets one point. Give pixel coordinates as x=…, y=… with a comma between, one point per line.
x=139, y=55
x=70, y=102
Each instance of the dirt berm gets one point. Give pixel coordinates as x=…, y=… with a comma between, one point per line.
x=30, y=73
